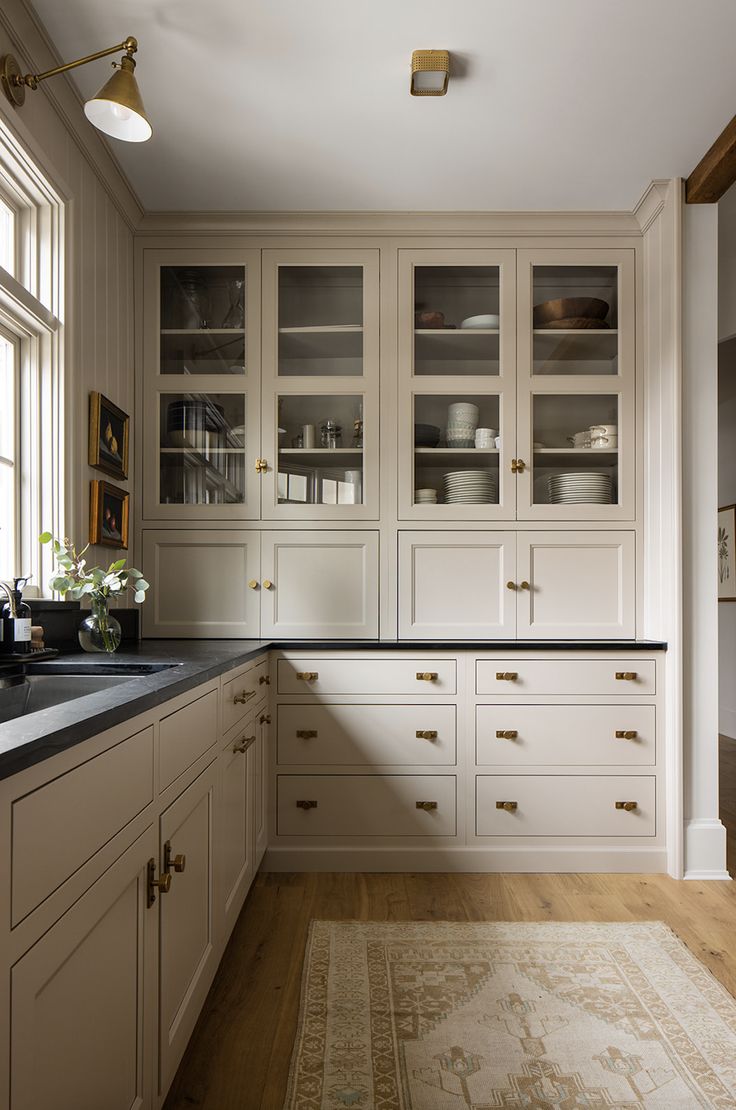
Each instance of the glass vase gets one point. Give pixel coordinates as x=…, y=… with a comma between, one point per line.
x=100, y=631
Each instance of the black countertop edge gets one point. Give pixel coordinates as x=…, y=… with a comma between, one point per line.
x=28, y=740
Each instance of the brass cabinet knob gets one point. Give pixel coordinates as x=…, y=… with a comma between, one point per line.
x=507, y=676
x=264, y=719
x=508, y=806
x=253, y=584
x=307, y=676
x=626, y=734
x=241, y=746
x=306, y=803
x=426, y=734
x=261, y=465
x=427, y=676
x=267, y=584
x=628, y=806
x=178, y=862
x=243, y=697
x=506, y=734
x=426, y=806
x=626, y=676
x=511, y=586
x=306, y=733
x=162, y=884
x=525, y=586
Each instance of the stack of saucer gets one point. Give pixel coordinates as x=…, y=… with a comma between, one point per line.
x=462, y=420
x=425, y=496
x=582, y=488
x=471, y=487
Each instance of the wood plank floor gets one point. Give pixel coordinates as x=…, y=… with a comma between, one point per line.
x=728, y=796
x=239, y=1055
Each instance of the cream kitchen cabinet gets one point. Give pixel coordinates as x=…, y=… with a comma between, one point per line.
x=235, y=831
x=262, y=784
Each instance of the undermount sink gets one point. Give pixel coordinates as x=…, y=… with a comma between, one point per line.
x=36, y=686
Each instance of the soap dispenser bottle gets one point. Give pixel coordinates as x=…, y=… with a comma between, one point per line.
x=15, y=619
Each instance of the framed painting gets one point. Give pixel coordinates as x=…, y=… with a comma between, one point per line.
x=108, y=515
x=109, y=433
x=727, y=553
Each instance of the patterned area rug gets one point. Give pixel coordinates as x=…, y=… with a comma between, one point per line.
x=448, y=1016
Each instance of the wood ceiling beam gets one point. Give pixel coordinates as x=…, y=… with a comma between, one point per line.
x=716, y=170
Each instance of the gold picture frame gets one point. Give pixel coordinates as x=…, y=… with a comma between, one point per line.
x=727, y=553
x=109, y=434
x=109, y=510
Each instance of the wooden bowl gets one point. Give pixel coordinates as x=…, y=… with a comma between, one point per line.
x=576, y=323
x=564, y=308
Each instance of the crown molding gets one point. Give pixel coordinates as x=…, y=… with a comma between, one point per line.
x=651, y=203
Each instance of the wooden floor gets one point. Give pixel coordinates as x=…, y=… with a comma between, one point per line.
x=728, y=796
x=239, y=1055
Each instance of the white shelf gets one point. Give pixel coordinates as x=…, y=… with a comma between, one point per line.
x=467, y=344
x=322, y=329
x=590, y=457
x=323, y=456
x=202, y=331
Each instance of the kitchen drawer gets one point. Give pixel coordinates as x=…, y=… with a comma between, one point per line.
x=562, y=735
x=366, y=734
x=565, y=805
x=239, y=696
x=366, y=676
x=544, y=677
x=366, y=805
x=186, y=735
x=59, y=826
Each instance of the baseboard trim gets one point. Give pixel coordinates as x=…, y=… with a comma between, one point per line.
x=705, y=848
x=709, y=876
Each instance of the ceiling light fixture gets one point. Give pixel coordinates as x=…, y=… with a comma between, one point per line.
x=430, y=72
x=117, y=109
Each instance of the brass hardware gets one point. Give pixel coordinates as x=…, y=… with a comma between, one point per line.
x=508, y=806
x=511, y=586
x=264, y=680
x=628, y=806
x=426, y=734
x=305, y=803
x=518, y=466
x=525, y=586
x=241, y=746
x=506, y=734
x=306, y=734
x=427, y=676
x=264, y=719
x=178, y=862
x=507, y=676
x=253, y=584
x=162, y=883
x=243, y=697
x=626, y=676
x=267, y=584
x=630, y=734
x=426, y=806
x=308, y=676
x=261, y=465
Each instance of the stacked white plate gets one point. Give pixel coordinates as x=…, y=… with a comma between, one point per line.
x=581, y=488
x=470, y=487
x=426, y=496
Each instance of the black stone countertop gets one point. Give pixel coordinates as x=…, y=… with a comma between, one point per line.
x=37, y=736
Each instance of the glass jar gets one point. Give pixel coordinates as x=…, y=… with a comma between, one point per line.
x=330, y=434
x=100, y=631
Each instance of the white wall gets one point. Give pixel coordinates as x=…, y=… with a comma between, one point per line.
x=101, y=214
x=727, y=265
x=727, y=496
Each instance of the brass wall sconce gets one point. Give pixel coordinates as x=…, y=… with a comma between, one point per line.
x=117, y=109
x=430, y=72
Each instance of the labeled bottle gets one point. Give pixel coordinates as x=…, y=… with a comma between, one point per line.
x=15, y=618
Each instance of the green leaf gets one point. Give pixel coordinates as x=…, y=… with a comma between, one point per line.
x=133, y=573
x=45, y=537
x=118, y=565
x=141, y=585
x=140, y=597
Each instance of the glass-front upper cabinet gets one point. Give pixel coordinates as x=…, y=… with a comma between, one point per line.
x=457, y=337
x=576, y=434
x=201, y=384
x=320, y=384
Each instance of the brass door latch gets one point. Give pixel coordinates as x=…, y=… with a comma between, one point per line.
x=243, y=697
x=178, y=862
x=264, y=680
x=162, y=883
x=518, y=466
x=240, y=747
x=261, y=466
x=264, y=719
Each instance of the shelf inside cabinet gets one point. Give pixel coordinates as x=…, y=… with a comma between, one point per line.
x=202, y=331
x=337, y=342
x=324, y=456
x=435, y=348
x=588, y=457
x=552, y=345
x=451, y=456
x=209, y=473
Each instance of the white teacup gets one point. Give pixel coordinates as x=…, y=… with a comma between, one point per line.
x=608, y=443
x=485, y=437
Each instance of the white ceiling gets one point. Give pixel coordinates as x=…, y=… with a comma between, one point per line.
x=304, y=104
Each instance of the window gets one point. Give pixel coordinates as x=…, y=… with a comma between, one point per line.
x=31, y=363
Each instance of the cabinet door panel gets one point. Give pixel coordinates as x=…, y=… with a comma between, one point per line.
x=236, y=822
x=261, y=781
x=322, y=584
x=581, y=585
x=455, y=584
x=200, y=583
x=81, y=1009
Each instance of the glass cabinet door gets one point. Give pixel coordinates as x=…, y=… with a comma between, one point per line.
x=201, y=384
x=576, y=435
x=320, y=382
x=457, y=373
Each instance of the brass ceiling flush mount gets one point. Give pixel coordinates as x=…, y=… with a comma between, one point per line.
x=430, y=72
x=117, y=109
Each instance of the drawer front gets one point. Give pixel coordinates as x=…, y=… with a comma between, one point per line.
x=239, y=697
x=561, y=735
x=366, y=734
x=366, y=805
x=61, y=825
x=565, y=805
x=543, y=677
x=186, y=735
x=367, y=676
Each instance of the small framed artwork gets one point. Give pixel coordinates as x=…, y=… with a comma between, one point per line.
x=109, y=429
x=727, y=553
x=108, y=515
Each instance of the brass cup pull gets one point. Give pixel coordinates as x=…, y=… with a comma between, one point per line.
x=178, y=862
x=162, y=884
x=426, y=806
x=507, y=676
x=628, y=806
x=511, y=586
x=267, y=584
x=253, y=584
x=525, y=586
x=508, y=806
x=426, y=734
x=427, y=676
x=306, y=733
x=307, y=676
x=306, y=803
x=243, y=697
x=241, y=746
x=626, y=734
x=626, y=676
x=506, y=734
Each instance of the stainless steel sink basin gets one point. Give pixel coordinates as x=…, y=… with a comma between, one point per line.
x=35, y=686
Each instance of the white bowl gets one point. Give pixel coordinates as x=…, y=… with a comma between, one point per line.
x=490, y=320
